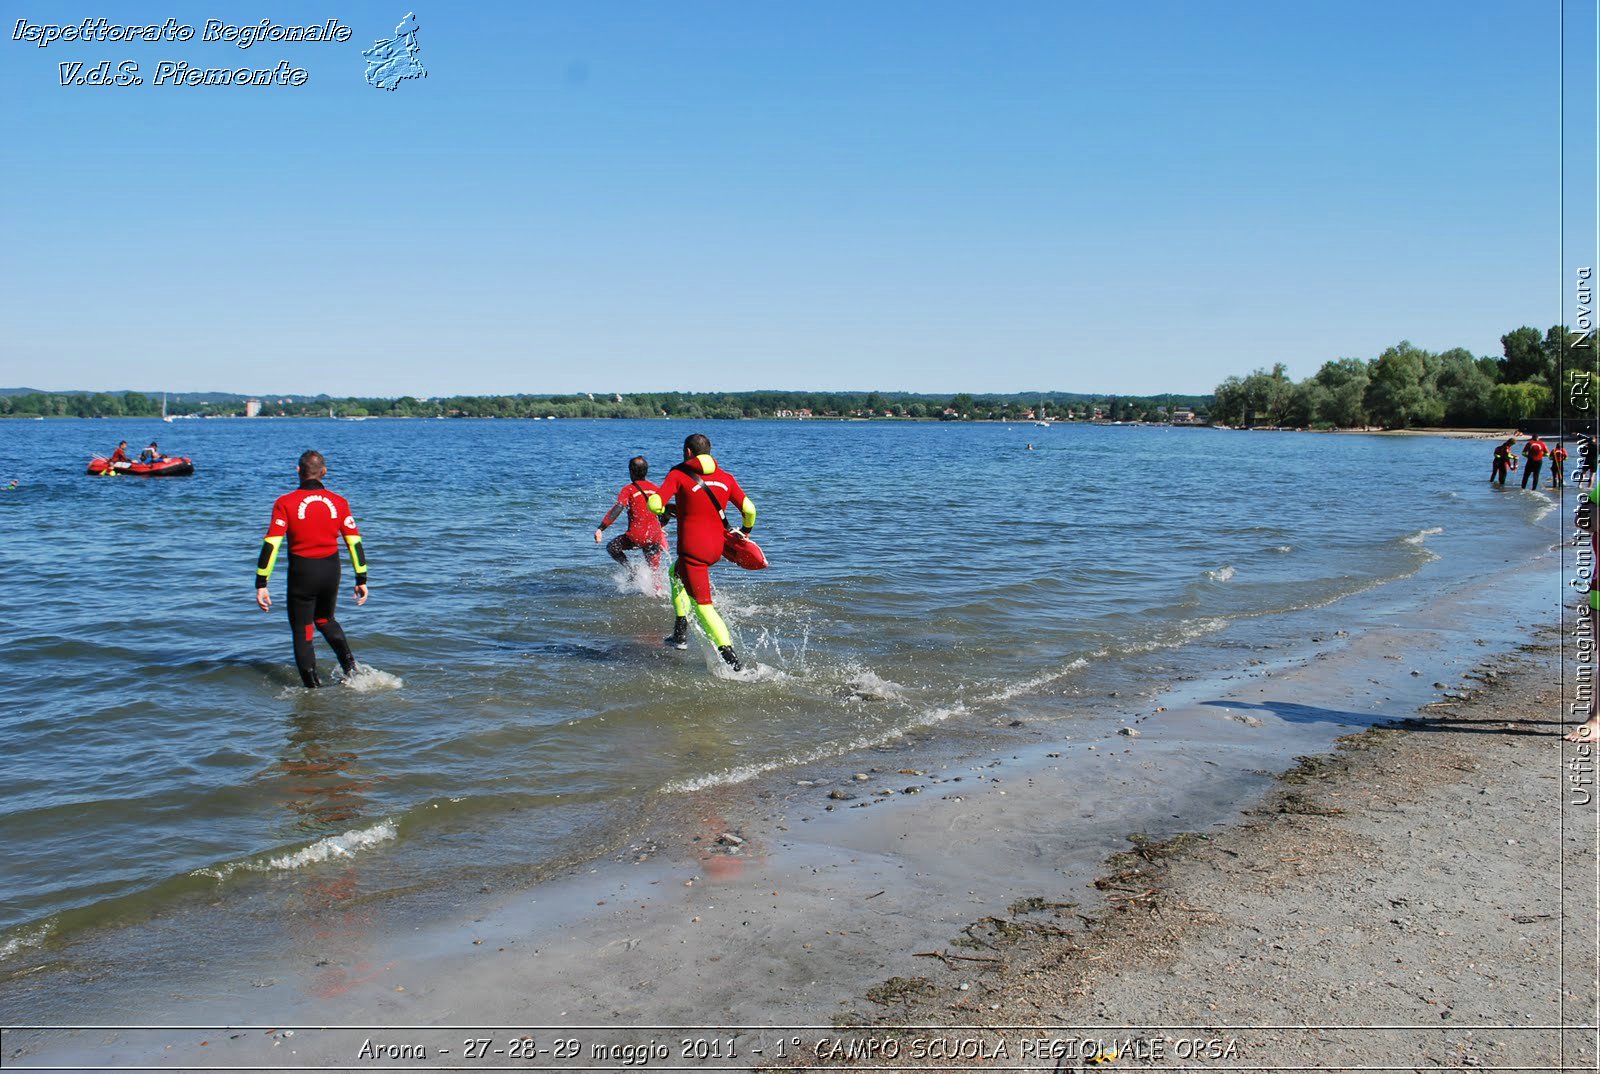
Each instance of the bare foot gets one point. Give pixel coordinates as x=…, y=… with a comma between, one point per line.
x=1589, y=732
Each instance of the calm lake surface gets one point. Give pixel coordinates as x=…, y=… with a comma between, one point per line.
x=934, y=579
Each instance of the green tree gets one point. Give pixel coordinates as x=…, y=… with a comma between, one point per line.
x=1525, y=356
x=1227, y=402
x=1341, y=401
x=1401, y=392
x=1464, y=388
x=1512, y=403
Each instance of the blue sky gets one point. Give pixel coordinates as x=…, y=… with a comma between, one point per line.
x=929, y=196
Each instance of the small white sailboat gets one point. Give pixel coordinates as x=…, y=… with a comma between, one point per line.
x=164, y=416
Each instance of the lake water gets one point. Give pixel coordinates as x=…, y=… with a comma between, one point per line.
x=937, y=580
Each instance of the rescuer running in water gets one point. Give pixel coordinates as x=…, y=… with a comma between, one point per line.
x=314, y=520
x=701, y=491
x=644, y=529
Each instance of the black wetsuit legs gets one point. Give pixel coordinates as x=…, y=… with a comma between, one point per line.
x=313, y=595
x=1532, y=470
x=621, y=544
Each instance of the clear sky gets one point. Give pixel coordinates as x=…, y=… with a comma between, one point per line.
x=921, y=195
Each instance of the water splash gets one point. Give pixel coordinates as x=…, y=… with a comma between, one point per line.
x=368, y=679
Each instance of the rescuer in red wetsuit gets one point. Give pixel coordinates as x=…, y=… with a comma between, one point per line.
x=314, y=520
x=702, y=533
x=119, y=455
x=1534, y=451
x=644, y=529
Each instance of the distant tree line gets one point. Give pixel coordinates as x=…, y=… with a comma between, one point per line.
x=1407, y=386
x=684, y=405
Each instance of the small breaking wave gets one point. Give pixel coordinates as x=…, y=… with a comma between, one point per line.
x=345, y=845
x=1186, y=631
x=1422, y=535
x=24, y=939
x=1221, y=574
x=744, y=773
x=1038, y=682
x=1281, y=549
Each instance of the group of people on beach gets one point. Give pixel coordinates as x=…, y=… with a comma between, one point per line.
x=1534, y=452
x=315, y=521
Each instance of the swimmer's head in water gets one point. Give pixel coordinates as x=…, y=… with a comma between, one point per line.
x=696, y=444
x=638, y=468
x=312, y=466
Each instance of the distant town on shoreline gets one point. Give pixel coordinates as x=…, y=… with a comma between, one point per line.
x=793, y=405
x=1404, y=387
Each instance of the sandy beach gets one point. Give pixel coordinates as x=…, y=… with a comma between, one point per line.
x=1424, y=898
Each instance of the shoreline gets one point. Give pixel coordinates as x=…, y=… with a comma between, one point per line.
x=756, y=900
x=1403, y=857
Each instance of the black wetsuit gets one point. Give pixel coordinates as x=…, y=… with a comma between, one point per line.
x=315, y=520
x=313, y=596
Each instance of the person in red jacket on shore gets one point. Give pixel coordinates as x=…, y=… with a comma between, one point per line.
x=700, y=492
x=644, y=529
x=315, y=521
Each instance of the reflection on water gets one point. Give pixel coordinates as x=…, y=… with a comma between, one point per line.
x=319, y=775
x=323, y=787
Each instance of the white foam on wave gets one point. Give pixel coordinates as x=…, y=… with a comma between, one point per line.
x=1187, y=631
x=1038, y=682
x=1282, y=549
x=345, y=845
x=745, y=773
x=24, y=939
x=1422, y=535
x=1221, y=574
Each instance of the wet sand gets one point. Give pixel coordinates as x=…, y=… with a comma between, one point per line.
x=1424, y=898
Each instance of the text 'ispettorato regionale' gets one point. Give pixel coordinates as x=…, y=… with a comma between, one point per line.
x=170, y=72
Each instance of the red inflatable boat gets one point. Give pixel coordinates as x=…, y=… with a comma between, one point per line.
x=173, y=466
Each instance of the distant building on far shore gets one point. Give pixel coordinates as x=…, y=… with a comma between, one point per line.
x=252, y=407
x=1183, y=416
